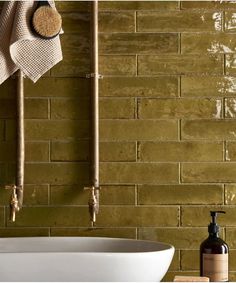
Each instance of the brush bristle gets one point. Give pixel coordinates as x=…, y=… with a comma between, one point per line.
x=47, y=22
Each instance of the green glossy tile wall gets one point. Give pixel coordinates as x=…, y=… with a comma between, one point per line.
x=168, y=128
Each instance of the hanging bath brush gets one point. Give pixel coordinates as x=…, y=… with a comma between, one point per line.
x=46, y=21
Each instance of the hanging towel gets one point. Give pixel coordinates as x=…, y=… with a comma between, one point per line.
x=20, y=48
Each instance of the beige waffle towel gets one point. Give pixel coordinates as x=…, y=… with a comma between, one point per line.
x=20, y=48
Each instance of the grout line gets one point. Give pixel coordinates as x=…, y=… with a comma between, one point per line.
x=179, y=43
x=224, y=198
x=179, y=130
x=180, y=177
x=136, y=195
x=180, y=216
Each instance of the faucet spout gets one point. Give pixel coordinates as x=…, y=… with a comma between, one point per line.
x=93, y=204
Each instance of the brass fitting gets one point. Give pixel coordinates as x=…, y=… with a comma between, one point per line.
x=14, y=203
x=93, y=203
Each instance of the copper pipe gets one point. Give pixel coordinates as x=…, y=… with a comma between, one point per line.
x=95, y=93
x=16, y=200
x=94, y=76
x=20, y=162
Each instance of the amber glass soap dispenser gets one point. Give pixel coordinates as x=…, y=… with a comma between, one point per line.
x=214, y=254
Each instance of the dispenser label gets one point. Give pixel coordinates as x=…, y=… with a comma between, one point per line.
x=215, y=266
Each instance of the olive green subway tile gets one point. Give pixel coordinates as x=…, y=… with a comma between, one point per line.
x=137, y=216
x=232, y=276
x=231, y=151
x=179, y=21
x=179, y=108
x=59, y=87
x=73, y=65
x=209, y=129
x=7, y=108
x=180, y=151
x=79, y=43
x=230, y=237
x=164, y=86
x=118, y=65
x=117, y=108
x=47, y=216
x=117, y=151
x=179, y=64
x=180, y=194
x=230, y=64
x=10, y=130
x=73, y=6
x=68, y=195
x=37, y=151
x=232, y=261
x=190, y=259
x=138, y=43
x=230, y=24
x=36, y=194
x=24, y=232
x=208, y=86
x=64, y=108
x=2, y=216
x=230, y=108
x=76, y=195
x=70, y=151
x=175, y=263
x=2, y=130
x=129, y=233
x=180, y=238
x=116, y=21
x=76, y=22
x=3, y=174
x=201, y=213
x=208, y=5
x=117, y=195
x=10, y=174
x=56, y=173
x=230, y=194
x=129, y=130
x=8, y=88
x=36, y=108
x=138, y=5
x=199, y=43
x=7, y=151
x=209, y=172
x=138, y=173
x=52, y=129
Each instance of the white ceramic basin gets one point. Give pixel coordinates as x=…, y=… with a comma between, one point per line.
x=83, y=259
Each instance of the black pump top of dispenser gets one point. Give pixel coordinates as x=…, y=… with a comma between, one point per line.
x=213, y=227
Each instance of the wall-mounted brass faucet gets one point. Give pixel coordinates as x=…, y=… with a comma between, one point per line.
x=94, y=77
x=16, y=200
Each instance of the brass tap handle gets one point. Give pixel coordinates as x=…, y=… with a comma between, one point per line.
x=14, y=203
